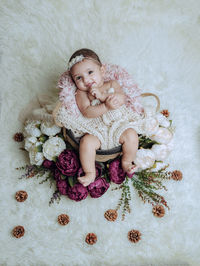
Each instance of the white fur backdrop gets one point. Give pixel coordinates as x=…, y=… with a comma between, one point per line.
x=158, y=42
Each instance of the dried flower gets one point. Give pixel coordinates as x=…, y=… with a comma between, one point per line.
x=111, y=215
x=19, y=137
x=176, y=175
x=158, y=211
x=63, y=219
x=165, y=112
x=21, y=195
x=18, y=231
x=91, y=239
x=134, y=236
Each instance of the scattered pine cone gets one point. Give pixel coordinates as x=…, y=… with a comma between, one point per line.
x=21, y=195
x=134, y=236
x=91, y=239
x=165, y=113
x=18, y=231
x=176, y=175
x=63, y=219
x=111, y=215
x=19, y=137
x=158, y=211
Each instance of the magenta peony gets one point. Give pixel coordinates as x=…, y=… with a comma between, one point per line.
x=68, y=163
x=48, y=164
x=62, y=186
x=98, y=188
x=116, y=173
x=57, y=175
x=78, y=192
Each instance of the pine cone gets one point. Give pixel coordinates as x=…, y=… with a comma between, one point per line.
x=158, y=211
x=63, y=219
x=134, y=236
x=176, y=175
x=111, y=215
x=91, y=239
x=165, y=113
x=18, y=231
x=19, y=137
x=21, y=195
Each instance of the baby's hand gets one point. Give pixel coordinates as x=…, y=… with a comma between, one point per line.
x=112, y=102
x=94, y=91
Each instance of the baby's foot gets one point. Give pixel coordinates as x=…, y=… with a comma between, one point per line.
x=129, y=168
x=87, y=179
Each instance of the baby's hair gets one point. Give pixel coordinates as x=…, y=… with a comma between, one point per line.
x=86, y=53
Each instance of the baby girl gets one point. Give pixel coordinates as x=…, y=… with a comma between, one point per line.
x=103, y=102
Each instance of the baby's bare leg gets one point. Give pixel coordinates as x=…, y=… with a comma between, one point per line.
x=129, y=141
x=87, y=151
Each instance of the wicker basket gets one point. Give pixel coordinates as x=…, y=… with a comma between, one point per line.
x=101, y=155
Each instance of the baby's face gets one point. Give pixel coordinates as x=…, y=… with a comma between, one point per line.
x=87, y=74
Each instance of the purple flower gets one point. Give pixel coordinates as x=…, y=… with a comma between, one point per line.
x=68, y=163
x=98, y=171
x=116, y=173
x=78, y=192
x=48, y=164
x=57, y=175
x=62, y=186
x=98, y=188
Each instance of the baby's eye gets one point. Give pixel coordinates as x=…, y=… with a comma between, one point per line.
x=78, y=78
x=90, y=72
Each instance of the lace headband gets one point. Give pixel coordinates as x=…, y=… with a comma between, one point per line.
x=78, y=59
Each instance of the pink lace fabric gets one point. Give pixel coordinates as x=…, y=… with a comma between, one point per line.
x=113, y=72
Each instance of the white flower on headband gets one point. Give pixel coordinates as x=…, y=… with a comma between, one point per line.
x=75, y=60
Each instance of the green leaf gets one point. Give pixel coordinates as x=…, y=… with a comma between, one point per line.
x=63, y=177
x=43, y=138
x=72, y=181
x=39, y=148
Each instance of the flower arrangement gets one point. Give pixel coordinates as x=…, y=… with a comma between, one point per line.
x=53, y=158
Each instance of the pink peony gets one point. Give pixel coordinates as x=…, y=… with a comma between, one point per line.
x=68, y=163
x=116, y=173
x=48, y=164
x=78, y=192
x=98, y=188
x=62, y=186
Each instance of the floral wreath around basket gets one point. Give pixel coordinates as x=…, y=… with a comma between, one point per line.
x=54, y=158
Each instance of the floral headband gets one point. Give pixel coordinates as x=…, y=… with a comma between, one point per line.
x=78, y=59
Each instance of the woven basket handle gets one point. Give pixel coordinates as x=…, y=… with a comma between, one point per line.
x=156, y=97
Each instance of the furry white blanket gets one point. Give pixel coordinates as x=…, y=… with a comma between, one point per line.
x=158, y=42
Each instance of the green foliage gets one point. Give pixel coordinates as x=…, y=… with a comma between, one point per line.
x=146, y=143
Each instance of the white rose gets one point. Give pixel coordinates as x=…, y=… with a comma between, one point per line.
x=36, y=157
x=49, y=129
x=162, y=120
x=163, y=136
x=30, y=142
x=161, y=151
x=32, y=129
x=145, y=158
x=53, y=147
x=151, y=126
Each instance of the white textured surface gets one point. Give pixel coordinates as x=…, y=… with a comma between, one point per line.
x=159, y=43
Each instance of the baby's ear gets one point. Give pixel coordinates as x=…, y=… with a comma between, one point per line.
x=103, y=70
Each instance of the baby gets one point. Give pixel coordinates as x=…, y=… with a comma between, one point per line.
x=97, y=99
